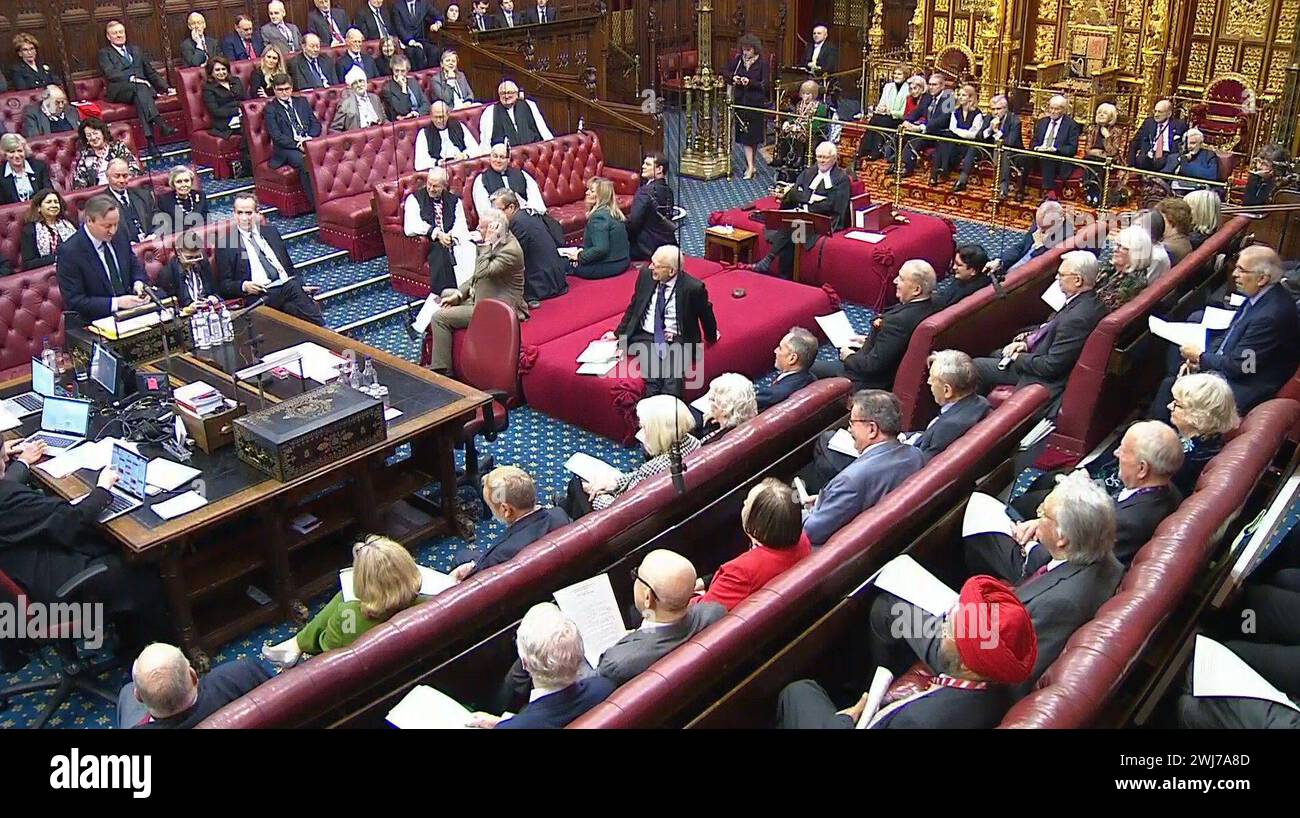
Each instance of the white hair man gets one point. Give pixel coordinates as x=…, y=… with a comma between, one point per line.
x=501, y=174
x=166, y=693
x=1155, y=147
x=511, y=495
x=444, y=140
x=1056, y=134
x=279, y=30
x=51, y=115
x=132, y=79
x=871, y=363
x=822, y=188
x=731, y=401
x=1261, y=347
x=1195, y=162
x=1076, y=526
x=1051, y=226
x=551, y=654
x=1047, y=354
x=435, y=213
x=793, y=359
x=197, y=47
x=512, y=119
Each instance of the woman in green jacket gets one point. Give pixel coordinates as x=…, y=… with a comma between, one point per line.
x=385, y=580
x=605, y=250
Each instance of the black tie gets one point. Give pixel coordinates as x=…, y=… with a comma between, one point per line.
x=379, y=21
x=130, y=213
x=315, y=66
x=119, y=286
x=297, y=123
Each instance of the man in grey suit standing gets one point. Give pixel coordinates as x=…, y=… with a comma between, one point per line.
x=875, y=418
x=280, y=31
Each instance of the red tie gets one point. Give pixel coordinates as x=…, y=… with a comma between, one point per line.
x=334, y=27
x=248, y=46
x=1039, y=572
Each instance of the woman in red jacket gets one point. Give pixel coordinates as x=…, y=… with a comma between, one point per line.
x=771, y=520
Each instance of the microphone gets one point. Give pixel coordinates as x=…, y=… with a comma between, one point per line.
x=995, y=278
x=676, y=467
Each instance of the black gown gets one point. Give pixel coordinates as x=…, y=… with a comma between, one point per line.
x=750, y=126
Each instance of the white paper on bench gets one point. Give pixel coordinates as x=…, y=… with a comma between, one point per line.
x=905, y=577
x=1220, y=672
x=592, y=469
x=864, y=235
x=427, y=709
x=985, y=515
x=837, y=328
x=592, y=607
x=599, y=352
x=597, y=368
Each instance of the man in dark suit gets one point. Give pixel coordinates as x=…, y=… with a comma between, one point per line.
x=412, y=22
x=649, y=223
x=933, y=121
x=550, y=660
x=967, y=276
x=822, y=188
x=820, y=57
x=311, y=68
x=328, y=23
x=355, y=57
x=374, y=21
x=150, y=700
x=132, y=79
x=976, y=668
x=253, y=263
x=22, y=175
x=1195, y=162
x=138, y=208
x=1003, y=125
x=1077, y=529
x=480, y=20
x=51, y=115
x=873, y=362
x=198, y=46
x=1049, y=229
x=665, y=324
x=247, y=42
x=1056, y=134
x=511, y=495
x=543, y=12
x=508, y=17
x=1158, y=141
x=96, y=269
x=188, y=276
x=290, y=122
x=794, y=357
x=1047, y=354
x=545, y=270
x=875, y=418
x=1260, y=350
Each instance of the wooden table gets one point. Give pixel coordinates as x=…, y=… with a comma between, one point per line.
x=739, y=243
x=210, y=558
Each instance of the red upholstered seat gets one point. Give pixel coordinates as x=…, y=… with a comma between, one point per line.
x=94, y=88
x=59, y=151
x=209, y=149
x=12, y=104
x=674, y=65
x=489, y=361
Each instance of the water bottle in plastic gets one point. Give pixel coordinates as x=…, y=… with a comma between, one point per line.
x=227, y=325
x=368, y=376
x=199, y=326
x=48, y=356
x=354, y=374
x=214, y=325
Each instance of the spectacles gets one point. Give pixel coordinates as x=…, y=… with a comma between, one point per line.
x=1240, y=269
x=637, y=578
x=860, y=420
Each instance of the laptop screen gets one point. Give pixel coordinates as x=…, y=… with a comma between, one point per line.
x=67, y=415
x=103, y=368
x=131, y=469
x=42, y=378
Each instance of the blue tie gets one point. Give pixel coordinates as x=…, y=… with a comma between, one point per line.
x=1234, y=328
x=661, y=314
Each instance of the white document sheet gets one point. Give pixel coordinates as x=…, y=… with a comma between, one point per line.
x=432, y=583
x=1054, y=296
x=1177, y=332
x=592, y=469
x=985, y=515
x=427, y=709
x=837, y=328
x=597, y=368
x=61, y=466
x=592, y=607
x=1236, y=299
x=425, y=316
x=169, y=475
x=97, y=455
x=875, y=695
x=8, y=420
x=865, y=235
x=1220, y=672
x=1217, y=318
x=842, y=442
x=391, y=414
x=180, y=504
x=318, y=363
x=905, y=577
x=599, y=352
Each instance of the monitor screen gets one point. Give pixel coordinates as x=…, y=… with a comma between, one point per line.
x=42, y=378
x=68, y=415
x=131, y=469
x=103, y=368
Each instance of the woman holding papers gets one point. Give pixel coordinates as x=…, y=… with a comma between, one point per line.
x=772, y=520
x=384, y=580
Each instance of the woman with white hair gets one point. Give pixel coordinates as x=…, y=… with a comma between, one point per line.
x=1203, y=410
x=1206, y=213
x=666, y=423
x=808, y=114
x=183, y=204
x=1129, y=269
x=1104, y=143
x=731, y=400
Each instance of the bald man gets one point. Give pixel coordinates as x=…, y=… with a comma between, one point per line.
x=1158, y=141
x=1056, y=134
x=662, y=589
x=166, y=693
x=513, y=119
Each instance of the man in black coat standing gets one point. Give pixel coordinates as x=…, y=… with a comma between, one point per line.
x=649, y=224
x=822, y=188
x=545, y=270
x=666, y=324
x=874, y=362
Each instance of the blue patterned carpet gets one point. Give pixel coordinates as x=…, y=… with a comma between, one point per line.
x=535, y=442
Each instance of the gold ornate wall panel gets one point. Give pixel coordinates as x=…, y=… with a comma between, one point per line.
x=1251, y=37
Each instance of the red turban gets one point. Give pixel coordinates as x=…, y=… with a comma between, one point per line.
x=1007, y=655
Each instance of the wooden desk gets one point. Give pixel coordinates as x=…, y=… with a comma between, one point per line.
x=739, y=243
x=210, y=557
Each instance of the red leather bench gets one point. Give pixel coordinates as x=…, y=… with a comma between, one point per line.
x=1076, y=690
x=208, y=148
x=364, y=680
x=59, y=151
x=561, y=166
x=976, y=325
x=720, y=658
x=94, y=88
x=1121, y=363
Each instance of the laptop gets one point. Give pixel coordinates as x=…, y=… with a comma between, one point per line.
x=64, y=423
x=29, y=403
x=129, y=492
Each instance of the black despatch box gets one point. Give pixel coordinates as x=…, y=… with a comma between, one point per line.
x=308, y=431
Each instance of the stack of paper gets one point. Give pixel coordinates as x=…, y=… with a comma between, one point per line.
x=111, y=328
x=1041, y=430
x=905, y=577
x=198, y=398
x=318, y=363
x=838, y=329
x=425, y=316
x=1178, y=332
x=598, y=358
x=863, y=235
x=432, y=583
x=168, y=475
x=592, y=469
x=180, y=504
x=427, y=709
x=592, y=607
x=8, y=420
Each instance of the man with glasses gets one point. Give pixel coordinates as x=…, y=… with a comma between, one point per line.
x=512, y=120
x=1051, y=227
x=1048, y=353
x=290, y=122
x=1260, y=350
x=188, y=276
x=875, y=419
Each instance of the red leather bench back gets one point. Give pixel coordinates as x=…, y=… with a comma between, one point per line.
x=12, y=104
x=562, y=165
x=354, y=676
x=777, y=612
x=1074, y=689
x=190, y=89
x=59, y=151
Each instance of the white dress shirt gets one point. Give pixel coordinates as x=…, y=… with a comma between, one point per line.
x=366, y=112
x=490, y=119
x=463, y=251
x=448, y=149
x=258, y=273
x=817, y=54
x=670, y=310
x=22, y=182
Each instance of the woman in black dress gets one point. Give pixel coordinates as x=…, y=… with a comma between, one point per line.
x=749, y=75
x=222, y=95
x=30, y=73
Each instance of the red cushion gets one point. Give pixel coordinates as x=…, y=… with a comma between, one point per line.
x=350, y=211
